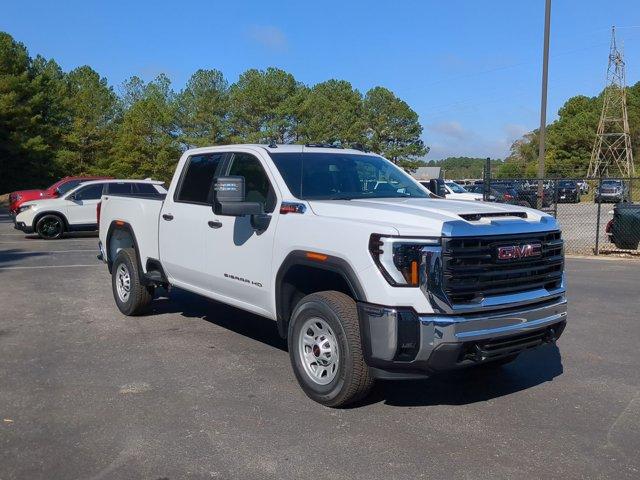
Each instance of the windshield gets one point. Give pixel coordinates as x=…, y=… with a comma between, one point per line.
x=67, y=186
x=334, y=176
x=455, y=188
x=610, y=183
x=566, y=184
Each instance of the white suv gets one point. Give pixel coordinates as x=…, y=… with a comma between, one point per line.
x=76, y=210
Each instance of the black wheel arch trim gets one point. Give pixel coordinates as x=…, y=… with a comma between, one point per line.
x=332, y=263
x=120, y=225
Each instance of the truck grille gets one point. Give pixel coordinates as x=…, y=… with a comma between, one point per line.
x=472, y=270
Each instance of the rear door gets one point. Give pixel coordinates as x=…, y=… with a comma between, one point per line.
x=183, y=222
x=81, y=209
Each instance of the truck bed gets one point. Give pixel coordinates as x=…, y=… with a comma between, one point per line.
x=141, y=213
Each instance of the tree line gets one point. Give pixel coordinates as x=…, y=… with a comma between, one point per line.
x=570, y=139
x=55, y=123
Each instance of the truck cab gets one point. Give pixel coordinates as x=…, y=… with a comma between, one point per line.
x=362, y=271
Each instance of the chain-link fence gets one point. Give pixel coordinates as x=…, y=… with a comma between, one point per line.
x=597, y=216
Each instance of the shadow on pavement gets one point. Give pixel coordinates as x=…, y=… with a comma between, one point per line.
x=461, y=387
x=191, y=305
x=16, y=254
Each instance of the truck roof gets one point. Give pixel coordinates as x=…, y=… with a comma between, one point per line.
x=121, y=180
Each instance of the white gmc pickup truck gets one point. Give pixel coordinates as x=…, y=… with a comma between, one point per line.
x=363, y=272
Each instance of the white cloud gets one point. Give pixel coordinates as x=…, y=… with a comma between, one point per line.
x=452, y=139
x=451, y=129
x=269, y=37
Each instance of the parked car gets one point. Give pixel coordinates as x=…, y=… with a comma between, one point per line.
x=567, y=191
x=612, y=191
x=583, y=186
x=519, y=194
x=58, y=189
x=450, y=190
x=364, y=283
x=624, y=228
x=75, y=210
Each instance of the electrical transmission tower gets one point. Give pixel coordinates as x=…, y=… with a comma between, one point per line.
x=612, y=148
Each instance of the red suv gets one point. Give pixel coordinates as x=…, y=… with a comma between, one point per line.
x=59, y=188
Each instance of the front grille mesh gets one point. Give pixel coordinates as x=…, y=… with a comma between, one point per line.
x=472, y=271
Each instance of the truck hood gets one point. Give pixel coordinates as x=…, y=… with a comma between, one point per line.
x=437, y=217
x=465, y=196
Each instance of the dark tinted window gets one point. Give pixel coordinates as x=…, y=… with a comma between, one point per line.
x=335, y=176
x=90, y=192
x=257, y=185
x=119, y=188
x=146, y=189
x=198, y=178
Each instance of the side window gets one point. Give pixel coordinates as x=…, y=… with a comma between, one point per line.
x=257, y=185
x=90, y=192
x=198, y=178
x=119, y=188
x=146, y=189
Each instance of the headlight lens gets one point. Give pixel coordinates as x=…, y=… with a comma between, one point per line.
x=398, y=258
x=23, y=208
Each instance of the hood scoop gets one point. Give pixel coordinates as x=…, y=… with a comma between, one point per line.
x=476, y=217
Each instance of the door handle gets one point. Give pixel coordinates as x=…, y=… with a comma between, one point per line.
x=214, y=223
x=167, y=216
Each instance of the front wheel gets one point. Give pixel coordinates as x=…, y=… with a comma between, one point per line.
x=131, y=296
x=50, y=227
x=326, y=351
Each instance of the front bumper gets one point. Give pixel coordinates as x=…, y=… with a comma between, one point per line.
x=399, y=340
x=23, y=227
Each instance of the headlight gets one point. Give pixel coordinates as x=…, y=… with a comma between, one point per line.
x=398, y=258
x=24, y=208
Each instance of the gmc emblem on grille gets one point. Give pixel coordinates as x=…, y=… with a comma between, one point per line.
x=513, y=252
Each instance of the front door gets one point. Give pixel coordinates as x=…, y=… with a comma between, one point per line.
x=183, y=223
x=239, y=257
x=82, y=208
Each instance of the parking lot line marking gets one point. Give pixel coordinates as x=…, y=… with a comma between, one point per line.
x=29, y=242
x=49, y=266
x=47, y=252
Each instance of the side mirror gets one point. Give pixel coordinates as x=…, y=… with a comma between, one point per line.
x=229, y=198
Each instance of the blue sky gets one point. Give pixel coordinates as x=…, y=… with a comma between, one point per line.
x=470, y=69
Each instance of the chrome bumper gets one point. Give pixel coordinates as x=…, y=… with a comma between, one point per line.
x=399, y=340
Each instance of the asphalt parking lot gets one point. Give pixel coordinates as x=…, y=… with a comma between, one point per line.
x=196, y=389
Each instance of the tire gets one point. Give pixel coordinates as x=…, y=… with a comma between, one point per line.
x=324, y=329
x=50, y=227
x=134, y=299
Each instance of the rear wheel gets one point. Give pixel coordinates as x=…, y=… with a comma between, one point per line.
x=50, y=227
x=131, y=296
x=326, y=351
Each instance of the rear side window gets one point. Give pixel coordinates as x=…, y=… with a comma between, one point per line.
x=146, y=189
x=90, y=192
x=119, y=188
x=198, y=178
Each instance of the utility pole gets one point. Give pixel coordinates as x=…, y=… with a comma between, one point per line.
x=543, y=100
x=612, y=147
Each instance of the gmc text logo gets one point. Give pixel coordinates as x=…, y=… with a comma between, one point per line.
x=513, y=252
